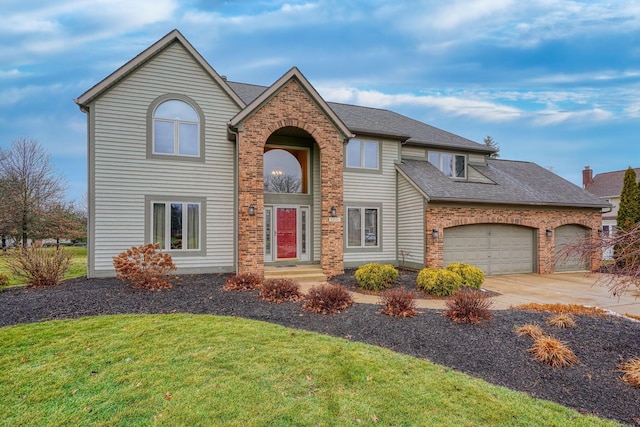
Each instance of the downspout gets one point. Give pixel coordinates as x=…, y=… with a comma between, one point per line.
x=236, y=153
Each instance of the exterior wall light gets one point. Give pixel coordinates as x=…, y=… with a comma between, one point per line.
x=549, y=232
x=600, y=231
x=334, y=211
x=434, y=233
x=252, y=210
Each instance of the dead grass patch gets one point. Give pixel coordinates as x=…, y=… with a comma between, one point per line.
x=533, y=331
x=631, y=369
x=575, y=309
x=632, y=316
x=562, y=320
x=553, y=352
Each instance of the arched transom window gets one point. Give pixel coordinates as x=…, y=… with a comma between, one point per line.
x=176, y=129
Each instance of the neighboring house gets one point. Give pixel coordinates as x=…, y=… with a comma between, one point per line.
x=230, y=177
x=607, y=186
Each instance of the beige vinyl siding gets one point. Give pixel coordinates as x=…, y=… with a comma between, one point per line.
x=362, y=189
x=411, y=233
x=124, y=175
x=477, y=159
x=409, y=151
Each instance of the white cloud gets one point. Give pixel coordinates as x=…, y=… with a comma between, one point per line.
x=11, y=74
x=554, y=117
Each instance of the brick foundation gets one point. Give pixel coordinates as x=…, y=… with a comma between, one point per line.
x=291, y=106
x=442, y=217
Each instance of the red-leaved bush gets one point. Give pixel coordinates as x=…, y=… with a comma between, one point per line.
x=243, y=282
x=144, y=267
x=280, y=290
x=398, y=302
x=327, y=298
x=468, y=306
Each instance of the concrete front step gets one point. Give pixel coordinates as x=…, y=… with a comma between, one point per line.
x=299, y=273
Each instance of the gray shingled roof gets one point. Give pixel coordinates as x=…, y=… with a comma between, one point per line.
x=515, y=182
x=376, y=121
x=609, y=184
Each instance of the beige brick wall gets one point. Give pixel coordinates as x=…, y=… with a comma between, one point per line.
x=290, y=106
x=541, y=219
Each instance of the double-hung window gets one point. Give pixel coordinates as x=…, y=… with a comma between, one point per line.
x=453, y=165
x=363, y=154
x=176, y=225
x=176, y=129
x=363, y=227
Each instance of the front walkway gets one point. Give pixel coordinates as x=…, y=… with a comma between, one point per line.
x=516, y=289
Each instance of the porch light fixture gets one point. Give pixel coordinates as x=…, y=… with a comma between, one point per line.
x=334, y=211
x=252, y=210
x=600, y=231
x=434, y=233
x=549, y=232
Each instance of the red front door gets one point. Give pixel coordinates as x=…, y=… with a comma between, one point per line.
x=286, y=226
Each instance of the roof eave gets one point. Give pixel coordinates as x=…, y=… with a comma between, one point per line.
x=449, y=146
x=519, y=203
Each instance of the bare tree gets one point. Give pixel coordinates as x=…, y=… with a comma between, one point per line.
x=625, y=272
x=30, y=186
x=282, y=183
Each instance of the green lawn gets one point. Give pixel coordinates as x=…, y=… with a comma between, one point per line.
x=78, y=266
x=180, y=370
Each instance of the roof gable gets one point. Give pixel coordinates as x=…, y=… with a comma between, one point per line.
x=121, y=73
x=293, y=74
x=609, y=184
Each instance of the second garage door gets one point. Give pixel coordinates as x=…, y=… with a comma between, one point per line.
x=568, y=260
x=495, y=248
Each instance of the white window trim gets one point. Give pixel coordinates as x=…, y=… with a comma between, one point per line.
x=362, y=162
x=362, y=245
x=440, y=166
x=176, y=130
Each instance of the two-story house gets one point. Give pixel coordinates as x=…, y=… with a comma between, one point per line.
x=233, y=177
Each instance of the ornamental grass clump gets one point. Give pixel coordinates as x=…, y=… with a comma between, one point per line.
x=533, y=331
x=4, y=280
x=376, y=277
x=243, y=282
x=563, y=320
x=468, y=306
x=40, y=267
x=280, y=290
x=398, y=302
x=631, y=369
x=472, y=276
x=327, y=299
x=436, y=281
x=553, y=352
x=144, y=267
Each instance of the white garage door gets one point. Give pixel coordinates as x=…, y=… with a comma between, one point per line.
x=569, y=260
x=494, y=248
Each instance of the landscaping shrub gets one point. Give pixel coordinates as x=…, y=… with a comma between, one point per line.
x=144, y=267
x=439, y=282
x=553, y=352
x=534, y=331
x=376, y=277
x=41, y=267
x=563, y=320
x=398, y=302
x=243, y=282
x=4, y=280
x=468, y=306
x=327, y=298
x=472, y=276
x=631, y=369
x=280, y=290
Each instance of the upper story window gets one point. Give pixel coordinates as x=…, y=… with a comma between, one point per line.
x=176, y=129
x=453, y=165
x=286, y=170
x=363, y=154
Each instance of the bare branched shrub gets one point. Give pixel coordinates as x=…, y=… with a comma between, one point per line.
x=631, y=369
x=625, y=271
x=563, y=320
x=144, y=267
x=243, y=282
x=553, y=352
x=468, y=306
x=533, y=331
x=327, y=299
x=280, y=290
x=398, y=302
x=41, y=267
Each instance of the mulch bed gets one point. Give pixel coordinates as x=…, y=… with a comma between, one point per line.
x=491, y=351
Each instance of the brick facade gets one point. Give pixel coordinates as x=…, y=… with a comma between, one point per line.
x=541, y=219
x=291, y=106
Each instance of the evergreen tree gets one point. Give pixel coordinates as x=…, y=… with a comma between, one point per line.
x=491, y=143
x=629, y=211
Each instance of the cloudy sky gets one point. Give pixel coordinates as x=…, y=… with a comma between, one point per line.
x=554, y=82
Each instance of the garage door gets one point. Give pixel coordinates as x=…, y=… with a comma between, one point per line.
x=494, y=248
x=569, y=260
